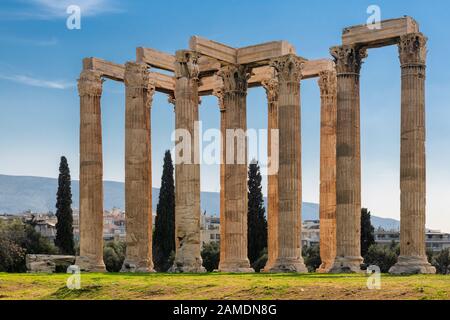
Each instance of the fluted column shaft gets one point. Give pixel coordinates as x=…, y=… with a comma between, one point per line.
x=271, y=87
x=289, y=254
x=348, y=159
x=187, y=166
x=327, y=207
x=413, y=259
x=91, y=173
x=138, y=180
x=233, y=244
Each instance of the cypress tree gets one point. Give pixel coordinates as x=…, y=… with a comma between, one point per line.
x=64, y=227
x=164, y=235
x=367, y=232
x=256, y=223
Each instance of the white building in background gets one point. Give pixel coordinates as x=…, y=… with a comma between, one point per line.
x=310, y=233
x=434, y=239
x=209, y=229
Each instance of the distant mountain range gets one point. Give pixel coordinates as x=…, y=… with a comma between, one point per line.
x=22, y=193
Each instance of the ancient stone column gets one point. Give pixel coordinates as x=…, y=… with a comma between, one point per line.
x=412, y=259
x=348, y=159
x=138, y=174
x=289, y=252
x=233, y=242
x=271, y=87
x=327, y=207
x=187, y=166
x=219, y=94
x=91, y=173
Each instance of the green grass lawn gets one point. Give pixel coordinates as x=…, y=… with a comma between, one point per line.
x=222, y=286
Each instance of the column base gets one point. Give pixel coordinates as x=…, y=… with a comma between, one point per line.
x=284, y=265
x=324, y=267
x=87, y=264
x=239, y=266
x=137, y=267
x=347, y=264
x=412, y=265
x=191, y=266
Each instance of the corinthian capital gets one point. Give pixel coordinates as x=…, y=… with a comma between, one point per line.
x=327, y=82
x=90, y=83
x=288, y=67
x=234, y=78
x=412, y=49
x=271, y=86
x=348, y=58
x=186, y=64
x=136, y=75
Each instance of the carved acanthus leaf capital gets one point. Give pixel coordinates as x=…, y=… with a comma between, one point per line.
x=413, y=49
x=288, y=68
x=271, y=87
x=234, y=78
x=90, y=83
x=327, y=82
x=137, y=77
x=186, y=64
x=348, y=58
x=218, y=92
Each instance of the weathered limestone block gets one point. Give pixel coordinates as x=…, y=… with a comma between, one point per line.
x=413, y=259
x=44, y=263
x=327, y=207
x=91, y=173
x=187, y=166
x=138, y=181
x=289, y=253
x=233, y=242
x=348, y=61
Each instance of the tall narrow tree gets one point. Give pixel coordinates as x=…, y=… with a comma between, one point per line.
x=64, y=226
x=367, y=232
x=257, y=224
x=164, y=235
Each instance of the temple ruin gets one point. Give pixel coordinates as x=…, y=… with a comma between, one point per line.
x=212, y=68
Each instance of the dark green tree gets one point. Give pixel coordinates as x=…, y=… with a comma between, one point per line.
x=442, y=261
x=256, y=220
x=383, y=256
x=164, y=235
x=311, y=256
x=367, y=232
x=114, y=255
x=210, y=256
x=64, y=227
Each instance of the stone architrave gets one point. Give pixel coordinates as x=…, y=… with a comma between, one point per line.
x=413, y=258
x=187, y=166
x=348, y=61
x=91, y=173
x=327, y=207
x=233, y=242
x=138, y=174
x=289, y=252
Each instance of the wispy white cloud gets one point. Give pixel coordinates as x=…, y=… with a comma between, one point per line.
x=35, y=82
x=56, y=9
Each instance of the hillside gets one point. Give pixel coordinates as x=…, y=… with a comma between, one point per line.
x=22, y=193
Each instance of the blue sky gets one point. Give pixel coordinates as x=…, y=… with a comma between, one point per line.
x=40, y=60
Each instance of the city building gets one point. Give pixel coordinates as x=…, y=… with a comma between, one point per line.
x=209, y=229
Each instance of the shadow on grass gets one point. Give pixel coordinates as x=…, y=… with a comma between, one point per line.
x=65, y=293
